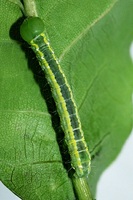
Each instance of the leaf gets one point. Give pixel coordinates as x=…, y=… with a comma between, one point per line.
x=92, y=40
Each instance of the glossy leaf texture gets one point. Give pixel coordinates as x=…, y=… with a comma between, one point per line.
x=92, y=41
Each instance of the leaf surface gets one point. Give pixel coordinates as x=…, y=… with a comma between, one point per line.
x=92, y=41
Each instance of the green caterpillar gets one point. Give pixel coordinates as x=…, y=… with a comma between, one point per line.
x=32, y=32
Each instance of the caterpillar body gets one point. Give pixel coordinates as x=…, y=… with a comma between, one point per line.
x=32, y=32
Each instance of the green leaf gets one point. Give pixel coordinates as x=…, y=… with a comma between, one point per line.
x=92, y=41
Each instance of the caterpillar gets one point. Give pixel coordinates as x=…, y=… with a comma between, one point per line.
x=32, y=31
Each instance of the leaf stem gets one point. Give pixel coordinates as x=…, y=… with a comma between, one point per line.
x=30, y=8
x=82, y=189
